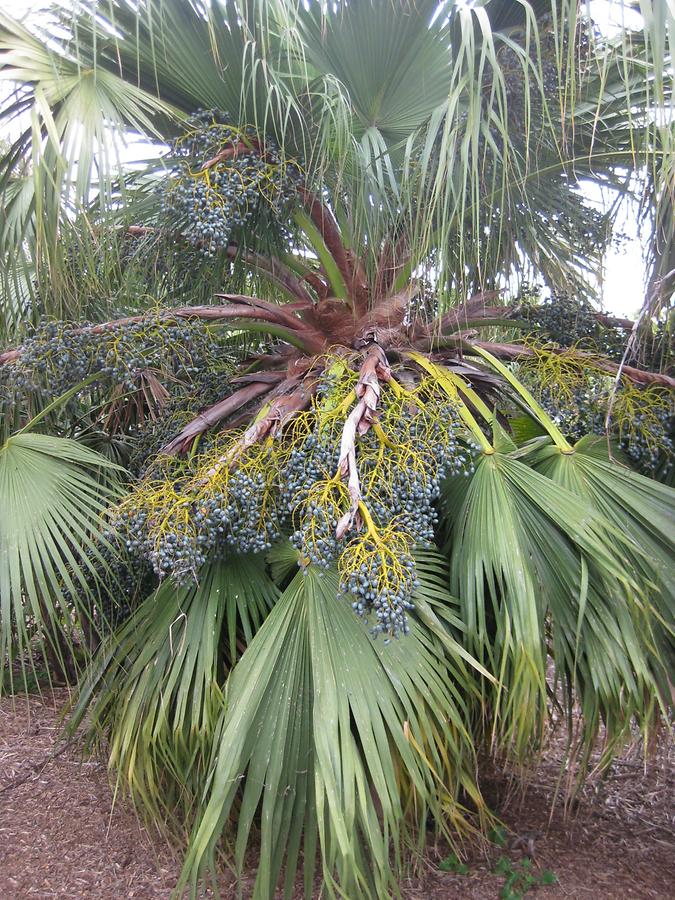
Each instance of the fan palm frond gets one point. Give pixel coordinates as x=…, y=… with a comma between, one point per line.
x=529, y=559
x=52, y=501
x=639, y=508
x=174, y=646
x=338, y=740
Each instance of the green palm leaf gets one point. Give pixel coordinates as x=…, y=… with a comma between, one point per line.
x=381, y=59
x=330, y=736
x=51, y=501
x=156, y=689
x=640, y=508
x=527, y=557
x=79, y=114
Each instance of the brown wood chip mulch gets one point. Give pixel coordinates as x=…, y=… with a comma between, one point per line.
x=62, y=837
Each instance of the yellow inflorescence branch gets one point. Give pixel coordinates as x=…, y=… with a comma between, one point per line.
x=381, y=550
x=400, y=444
x=449, y=386
x=560, y=373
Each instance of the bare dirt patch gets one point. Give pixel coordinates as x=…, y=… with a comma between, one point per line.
x=62, y=837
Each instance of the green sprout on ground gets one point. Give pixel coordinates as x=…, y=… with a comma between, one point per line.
x=454, y=864
x=519, y=877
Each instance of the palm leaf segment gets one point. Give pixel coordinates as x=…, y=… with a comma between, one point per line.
x=52, y=500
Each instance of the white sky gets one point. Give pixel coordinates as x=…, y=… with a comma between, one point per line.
x=19, y=8
x=623, y=284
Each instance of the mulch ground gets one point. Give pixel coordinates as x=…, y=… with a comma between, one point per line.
x=61, y=836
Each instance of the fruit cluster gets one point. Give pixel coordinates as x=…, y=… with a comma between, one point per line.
x=182, y=513
x=571, y=322
x=222, y=176
x=61, y=355
x=642, y=421
x=117, y=583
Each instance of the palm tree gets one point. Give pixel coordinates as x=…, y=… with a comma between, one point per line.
x=349, y=540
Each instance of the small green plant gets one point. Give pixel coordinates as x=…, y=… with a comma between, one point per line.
x=453, y=863
x=519, y=877
x=503, y=866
